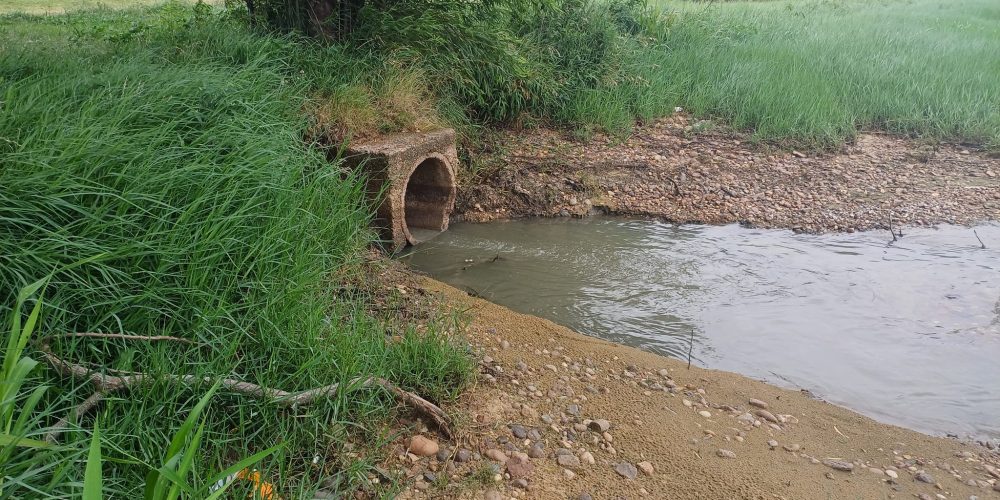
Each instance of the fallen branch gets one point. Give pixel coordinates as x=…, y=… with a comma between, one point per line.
x=106, y=384
x=60, y=426
x=893, y=233
x=980, y=239
x=124, y=336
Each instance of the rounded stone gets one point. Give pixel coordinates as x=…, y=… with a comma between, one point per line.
x=422, y=446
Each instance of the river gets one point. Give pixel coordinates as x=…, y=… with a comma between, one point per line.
x=907, y=333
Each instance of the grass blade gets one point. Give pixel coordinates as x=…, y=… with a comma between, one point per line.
x=93, y=479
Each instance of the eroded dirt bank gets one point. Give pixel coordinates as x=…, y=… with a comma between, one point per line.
x=666, y=169
x=560, y=415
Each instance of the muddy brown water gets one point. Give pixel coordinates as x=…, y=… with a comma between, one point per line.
x=907, y=333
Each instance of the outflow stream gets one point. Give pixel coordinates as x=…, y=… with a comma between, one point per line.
x=908, y=333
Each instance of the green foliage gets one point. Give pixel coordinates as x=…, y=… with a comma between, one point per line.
x=816, y=72
x=505, y=62
x=18, y=434
x=176, y=155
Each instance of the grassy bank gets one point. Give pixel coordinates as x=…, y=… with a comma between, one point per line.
x=819, y=71
x=166, y=149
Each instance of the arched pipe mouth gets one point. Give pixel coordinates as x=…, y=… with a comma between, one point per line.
x=429, y=195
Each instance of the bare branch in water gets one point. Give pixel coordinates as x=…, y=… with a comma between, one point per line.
x=980, y=239
x=690, y=348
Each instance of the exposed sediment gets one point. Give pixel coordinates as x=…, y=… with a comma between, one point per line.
x=669, y=170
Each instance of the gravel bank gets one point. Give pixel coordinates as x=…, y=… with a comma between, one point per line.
x=667, y=170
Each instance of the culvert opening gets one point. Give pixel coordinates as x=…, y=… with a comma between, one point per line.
x=429, y=192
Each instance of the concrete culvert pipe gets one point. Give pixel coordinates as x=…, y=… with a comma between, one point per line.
x=430, y=194
x=412, y=179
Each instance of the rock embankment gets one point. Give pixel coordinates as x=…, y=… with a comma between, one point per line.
x=560, y=415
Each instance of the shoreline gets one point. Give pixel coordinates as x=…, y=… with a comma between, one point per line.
x=537, y=418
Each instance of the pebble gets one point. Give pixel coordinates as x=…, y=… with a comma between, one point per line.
x=568, y=474
x=521, y=483
x=924, y=477
x=664, y=372
x=584, y=496
x=772, y=444
x=766, y=415
x=792, y=447
x=463, y=456
x=492, y=495
x=573, y=410
x=568, y=461
x=725, y=453
x=519, y=466
x=599, y=425
x=758, y=403
x=705, y=414
x=646, y=468
x=537, y=451
x=495, y=454
x=422, y=446
x=626, y=470
x=587, y=458
x=518, y=431
x=876, y=471
x=891, y=473
x=840, y=465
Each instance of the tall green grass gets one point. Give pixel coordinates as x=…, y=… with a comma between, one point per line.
x=174, y=149
x=817, y=71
